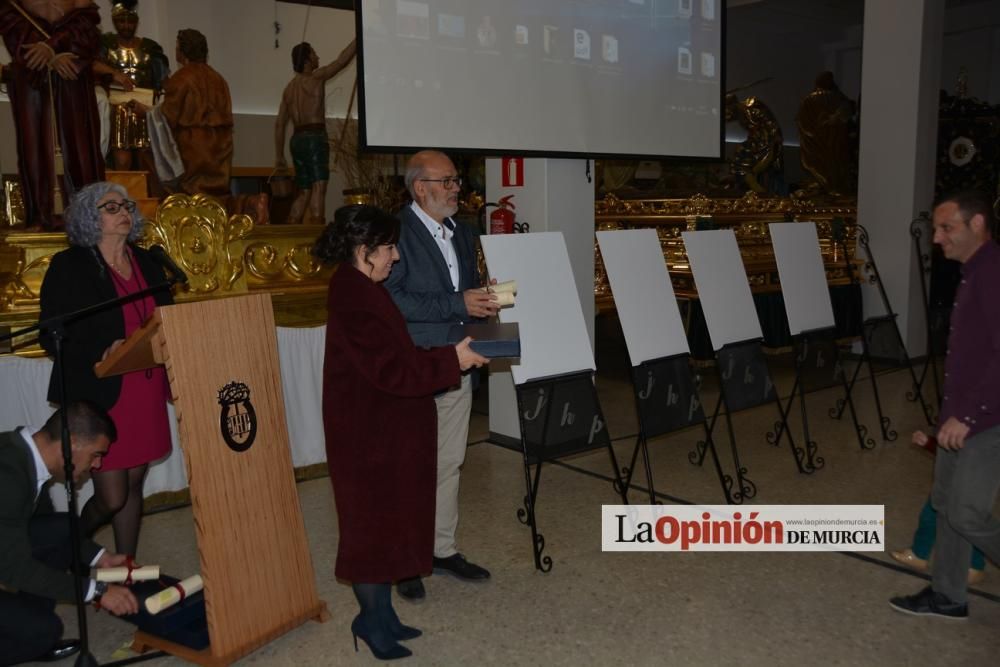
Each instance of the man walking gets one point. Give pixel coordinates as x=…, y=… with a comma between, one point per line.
x=967, y=467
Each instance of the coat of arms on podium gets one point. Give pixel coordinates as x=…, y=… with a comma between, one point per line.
x=237, y=420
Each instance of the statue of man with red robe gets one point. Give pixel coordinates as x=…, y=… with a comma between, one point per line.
x=52, y=45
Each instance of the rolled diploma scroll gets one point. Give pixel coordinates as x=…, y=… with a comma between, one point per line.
x=171, y=596
x=504, y=299
x=116, y=575
x=509, y=287
x=504, y=291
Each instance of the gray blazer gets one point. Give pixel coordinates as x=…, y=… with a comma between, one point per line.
x=420, y=282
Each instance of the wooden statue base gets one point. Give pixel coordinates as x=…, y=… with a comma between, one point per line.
x=143, y=642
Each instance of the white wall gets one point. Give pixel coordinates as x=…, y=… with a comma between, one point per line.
x=898, y=144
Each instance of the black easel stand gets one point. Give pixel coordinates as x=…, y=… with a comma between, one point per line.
x=917, y=228
x=667, y=400
x=56, y=330
x=744, y=383
x=559, y=415
x=884, y=330
x=818, y=366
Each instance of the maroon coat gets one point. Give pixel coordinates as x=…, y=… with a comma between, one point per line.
x=381, y=431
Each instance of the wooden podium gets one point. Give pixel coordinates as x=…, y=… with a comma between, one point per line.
x=221, y=357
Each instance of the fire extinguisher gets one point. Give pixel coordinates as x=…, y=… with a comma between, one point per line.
x=502, y=219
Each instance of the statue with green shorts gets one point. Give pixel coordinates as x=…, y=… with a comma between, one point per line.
x=304, y=104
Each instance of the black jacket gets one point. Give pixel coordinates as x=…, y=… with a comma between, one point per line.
x=77, y=278
x=18, y=568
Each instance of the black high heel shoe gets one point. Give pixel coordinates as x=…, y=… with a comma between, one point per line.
x=392, y=652
x=390, y=620
x=402, y=632
x=396, y=628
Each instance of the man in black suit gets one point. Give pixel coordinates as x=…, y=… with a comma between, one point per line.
x=36, y=556
x=436, y=284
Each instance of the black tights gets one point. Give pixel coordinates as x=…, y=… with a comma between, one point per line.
x=117, y=498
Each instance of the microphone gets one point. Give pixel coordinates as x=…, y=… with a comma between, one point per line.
x=160, y=254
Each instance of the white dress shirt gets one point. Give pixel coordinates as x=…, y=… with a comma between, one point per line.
x=42, y=474
x=443, y=234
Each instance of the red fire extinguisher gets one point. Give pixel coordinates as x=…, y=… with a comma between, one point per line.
x=502, y=219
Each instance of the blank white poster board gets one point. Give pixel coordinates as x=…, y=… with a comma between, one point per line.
x=803, y=276
x=554, y=336
x=722, y=285
x=644, y=295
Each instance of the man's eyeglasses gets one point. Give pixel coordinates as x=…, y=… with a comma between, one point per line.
x=113, y=207
x=447, y=183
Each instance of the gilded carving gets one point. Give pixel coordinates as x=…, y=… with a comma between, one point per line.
x=747, y=216
x=12, y=213
x=17, y=290
x=266, y=262
x=202, y=239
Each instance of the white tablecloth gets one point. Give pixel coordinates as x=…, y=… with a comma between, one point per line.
x=24, y=384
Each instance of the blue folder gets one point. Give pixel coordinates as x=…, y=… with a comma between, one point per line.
x=492, y=339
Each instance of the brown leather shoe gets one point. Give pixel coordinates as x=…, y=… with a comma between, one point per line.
x=976, y=576
x=909, y=559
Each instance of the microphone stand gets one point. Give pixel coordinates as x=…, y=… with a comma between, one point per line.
x=56, y=326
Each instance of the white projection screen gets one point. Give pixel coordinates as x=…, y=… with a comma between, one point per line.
x=568, y=78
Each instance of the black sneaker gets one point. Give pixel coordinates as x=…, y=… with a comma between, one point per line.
x=411, y=589
x=929, y=603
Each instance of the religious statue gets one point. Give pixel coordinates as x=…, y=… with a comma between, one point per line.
x=142, y=60
x=198, y=112
x=828, y=139
x=50, y=82
x=304, y=104
x=758, y=162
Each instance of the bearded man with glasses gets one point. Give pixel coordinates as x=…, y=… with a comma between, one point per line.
x=436, y=284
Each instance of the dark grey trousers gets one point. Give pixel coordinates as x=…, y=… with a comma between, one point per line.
x=966, y=483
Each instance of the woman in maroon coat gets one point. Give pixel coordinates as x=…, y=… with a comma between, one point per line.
x=380, y=423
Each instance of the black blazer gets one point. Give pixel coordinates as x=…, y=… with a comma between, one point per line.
x=18, y=568
x=77, y=278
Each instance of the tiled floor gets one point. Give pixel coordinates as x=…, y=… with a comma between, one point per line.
x=598, y=608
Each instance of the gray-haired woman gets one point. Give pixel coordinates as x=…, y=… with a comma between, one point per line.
x=101, y=264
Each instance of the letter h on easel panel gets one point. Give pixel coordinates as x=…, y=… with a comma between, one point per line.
x=745, y=377
x=561, y=416
x=818, y=361
x=668, y=397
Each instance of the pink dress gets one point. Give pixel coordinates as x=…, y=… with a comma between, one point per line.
x=140, y=414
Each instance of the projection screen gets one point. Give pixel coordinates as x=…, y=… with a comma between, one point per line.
x=569, y=78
